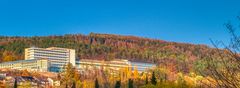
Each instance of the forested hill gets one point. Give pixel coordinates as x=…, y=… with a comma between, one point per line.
x=107, y=46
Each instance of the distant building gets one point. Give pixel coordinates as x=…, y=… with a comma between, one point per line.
x=26, y=82
x=53, y=82
x=58, y=57
x=141, y=66
x=51, y=59
x=32, y=65
x=54, y=59
x=113, y=65
x=3, y=75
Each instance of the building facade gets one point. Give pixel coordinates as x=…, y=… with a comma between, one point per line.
x=58, y=57
x=141, y=66
x=54, y=59
x=114, y=65
x=41, y=65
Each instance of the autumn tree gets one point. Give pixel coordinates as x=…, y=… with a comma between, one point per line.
x=135, y=73
x=110, y=56
x=8, y=56
x=146, y=80
x=25, y=73
x=161, y=73
x=74, y=84
x=181, y=81
x=224, y=65
x=68, y=75
x=153, y=79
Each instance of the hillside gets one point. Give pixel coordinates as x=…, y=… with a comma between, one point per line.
x=177, y=56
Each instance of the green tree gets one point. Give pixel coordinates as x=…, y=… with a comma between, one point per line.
x=118, y=84
x=153, y=80
x=15, y=83
x=68, y=75
x=96, y=83
x=146, y=80
x=130, y=83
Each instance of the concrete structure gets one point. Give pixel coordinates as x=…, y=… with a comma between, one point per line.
x=41, y=65
x=97, y=64
x=113, y=65
x=54, y=59
x=141, y=67
x=58, y=57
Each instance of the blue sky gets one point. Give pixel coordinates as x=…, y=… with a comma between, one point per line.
x=190, y=21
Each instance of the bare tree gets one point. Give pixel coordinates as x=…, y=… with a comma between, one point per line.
x=223, y=65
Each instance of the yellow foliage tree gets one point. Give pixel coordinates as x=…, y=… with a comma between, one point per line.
x=129, y=72
x=25, y=73
x=8, y=56
x=135, y=73
x=88, y=84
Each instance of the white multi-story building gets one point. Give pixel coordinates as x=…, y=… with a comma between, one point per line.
x=41, y=65
x=58, y=57
x=142, y=66
x=54, y=59
x=113, y=65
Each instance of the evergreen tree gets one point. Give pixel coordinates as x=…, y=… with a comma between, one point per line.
x=118, y=84
x=130, y=83
x=96, y=83
x=146, y=80
x=153, y=80
x=68, y=75
x=15, y=83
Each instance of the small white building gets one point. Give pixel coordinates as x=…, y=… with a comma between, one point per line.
x=53, y=82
